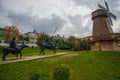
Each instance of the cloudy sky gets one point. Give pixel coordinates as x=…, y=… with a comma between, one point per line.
x=70, y=17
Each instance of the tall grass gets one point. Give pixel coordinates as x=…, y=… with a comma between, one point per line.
x=84, y=65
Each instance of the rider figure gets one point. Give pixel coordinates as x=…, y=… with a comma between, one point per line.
x=47, y=40
x=13, y=44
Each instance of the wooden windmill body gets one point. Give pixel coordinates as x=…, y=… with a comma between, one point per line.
x=102, y=30
x=101, y=24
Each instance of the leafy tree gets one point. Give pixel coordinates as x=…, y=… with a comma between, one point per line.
x=72, y=44
x=41, y=38
x=84, y=45
x=10, y=31
x=66, y=44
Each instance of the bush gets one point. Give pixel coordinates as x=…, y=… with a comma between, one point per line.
x=61, y=72
x=38, y=76
x=35, y=76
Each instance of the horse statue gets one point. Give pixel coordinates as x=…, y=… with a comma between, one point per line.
x=8, y=50
x=51, y=46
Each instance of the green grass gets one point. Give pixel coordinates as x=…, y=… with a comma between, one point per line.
x=84, y=66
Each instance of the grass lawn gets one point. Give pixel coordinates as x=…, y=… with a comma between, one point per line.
x=84, y=66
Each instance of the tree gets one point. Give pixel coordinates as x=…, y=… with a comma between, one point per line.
x=22, y=38
x=9, y=32
x=84, y=45
x=72, y=42
x=41, y=39
x=71, y=38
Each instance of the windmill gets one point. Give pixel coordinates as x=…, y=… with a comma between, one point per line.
x=102, y=33
x=102, y=20
x=107, y=11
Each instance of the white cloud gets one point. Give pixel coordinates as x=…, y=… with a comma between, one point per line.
x=4, y=21
x=71, y=17
x=116, y=26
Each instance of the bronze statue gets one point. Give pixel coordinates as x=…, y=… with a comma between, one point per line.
x=47, y=40
x=13, y=44
x=48, y=45
x=14, y=49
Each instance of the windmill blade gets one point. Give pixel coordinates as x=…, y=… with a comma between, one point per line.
x=113, y=16
x=109, y=27
x=106, y=5
x=109, y=18
x=101, y=7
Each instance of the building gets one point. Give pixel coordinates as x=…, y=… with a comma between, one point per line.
x=32, y=38
x=103, y=38
x=102, y=44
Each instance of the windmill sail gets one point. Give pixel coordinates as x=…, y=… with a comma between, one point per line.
x=113, y=16
x=106, y=5
x=101, y=7
x=109, y=14
x=110, y=20
x=109, y=23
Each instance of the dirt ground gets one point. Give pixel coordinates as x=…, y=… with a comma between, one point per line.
x=12, y=60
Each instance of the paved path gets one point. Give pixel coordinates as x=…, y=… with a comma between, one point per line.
x=12, y=60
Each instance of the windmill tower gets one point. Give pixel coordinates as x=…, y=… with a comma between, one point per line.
x=102, y=20
x=102, y=39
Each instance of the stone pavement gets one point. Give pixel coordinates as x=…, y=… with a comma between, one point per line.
x=12, y=60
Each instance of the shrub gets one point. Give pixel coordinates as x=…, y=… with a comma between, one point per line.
x=35, y=76
x=61, y=72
